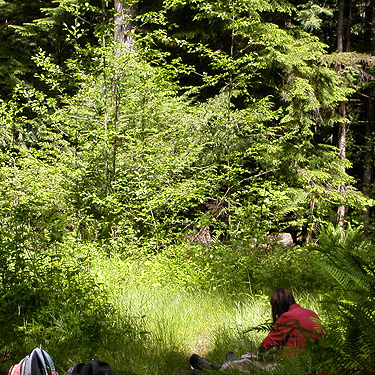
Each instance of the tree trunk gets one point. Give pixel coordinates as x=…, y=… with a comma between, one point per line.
x=348, y=27
x=369, y=147
x=310, y=230
x=342, y=149
x=342, y=127
x=123, y=24
x=340, y=27
x=368, y=172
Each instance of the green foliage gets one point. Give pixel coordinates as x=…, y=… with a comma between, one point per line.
x=49, y=298
x=227, y=127
x=59, y=27
x=148, y=164
x=349, y=263
x=134, y=151
x=265, y=133
x=233, y=269
x=311, y=15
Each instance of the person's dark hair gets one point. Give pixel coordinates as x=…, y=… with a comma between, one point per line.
x=281, y=300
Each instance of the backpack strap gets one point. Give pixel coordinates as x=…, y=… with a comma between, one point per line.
x=50, y=366
x=26, y=366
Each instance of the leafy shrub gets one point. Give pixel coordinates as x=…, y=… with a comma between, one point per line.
x=223, y=267
x=53, y=301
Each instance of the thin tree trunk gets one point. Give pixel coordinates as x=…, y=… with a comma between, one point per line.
x=369, y=146
x=123, y=24
x=311, y=225
x=340, y=27
x=368, y=173
x=348, y=27
x=342, y=127
x=342, y=149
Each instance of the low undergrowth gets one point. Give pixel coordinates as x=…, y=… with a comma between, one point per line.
x=174, y=322
x=145, y=314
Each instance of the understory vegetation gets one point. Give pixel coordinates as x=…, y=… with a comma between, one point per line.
x=148, y=315
x=164, y=166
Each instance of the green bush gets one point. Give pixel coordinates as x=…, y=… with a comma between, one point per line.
x=223, y=267
x=53, y=301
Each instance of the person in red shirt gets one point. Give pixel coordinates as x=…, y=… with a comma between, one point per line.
x=293, y=326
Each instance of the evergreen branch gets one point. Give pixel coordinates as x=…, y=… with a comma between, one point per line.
x=85, y=119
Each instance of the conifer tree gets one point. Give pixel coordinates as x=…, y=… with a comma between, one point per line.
x=48, y=25
x=259, y=55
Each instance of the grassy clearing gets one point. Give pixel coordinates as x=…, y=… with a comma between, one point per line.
x=155, y=326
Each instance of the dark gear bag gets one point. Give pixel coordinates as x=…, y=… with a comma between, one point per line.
x=91, y=368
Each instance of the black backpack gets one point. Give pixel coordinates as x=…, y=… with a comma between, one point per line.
x=91, y=368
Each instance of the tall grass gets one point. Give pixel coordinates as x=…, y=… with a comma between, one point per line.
x=147, y=316
x=155, y=326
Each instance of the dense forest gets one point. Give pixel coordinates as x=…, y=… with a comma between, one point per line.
x=169, y=148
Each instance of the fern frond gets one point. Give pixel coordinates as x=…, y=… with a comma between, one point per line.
x=349, y=262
